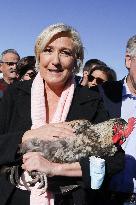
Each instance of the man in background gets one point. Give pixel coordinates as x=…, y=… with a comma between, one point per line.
x=120, y=101
x=8, y=65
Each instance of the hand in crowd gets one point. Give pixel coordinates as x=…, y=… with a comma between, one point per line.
x=85, y=78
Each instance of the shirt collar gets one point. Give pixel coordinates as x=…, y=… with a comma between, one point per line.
x=126, y=92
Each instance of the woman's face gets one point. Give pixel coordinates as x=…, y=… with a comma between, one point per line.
x=57, y=61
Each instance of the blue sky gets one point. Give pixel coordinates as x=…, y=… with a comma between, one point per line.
x=104, y=25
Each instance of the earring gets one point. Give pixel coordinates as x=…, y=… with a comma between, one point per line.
x=79, y=63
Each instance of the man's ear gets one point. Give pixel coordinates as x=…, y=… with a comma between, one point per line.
x=127, y=61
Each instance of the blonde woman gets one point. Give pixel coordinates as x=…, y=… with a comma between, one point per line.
x=36, y=109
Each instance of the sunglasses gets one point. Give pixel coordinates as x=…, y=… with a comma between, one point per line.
x=98, y=80
x=10, y=63
x=31, y=75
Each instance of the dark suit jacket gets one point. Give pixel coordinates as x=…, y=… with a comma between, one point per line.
x=15, y=119
x=111, y=93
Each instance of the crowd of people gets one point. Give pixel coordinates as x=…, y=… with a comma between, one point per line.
x=39, y=95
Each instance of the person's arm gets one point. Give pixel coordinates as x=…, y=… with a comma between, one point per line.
x=73, y=169
x=35, y=161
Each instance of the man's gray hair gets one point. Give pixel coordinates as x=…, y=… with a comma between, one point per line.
x=48, y=33
x=9, y=51
x=131, y=46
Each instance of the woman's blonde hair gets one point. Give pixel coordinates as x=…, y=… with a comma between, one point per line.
x=48, y=33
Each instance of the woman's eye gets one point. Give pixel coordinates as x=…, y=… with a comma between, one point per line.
x=47, y=50
x=66, y=53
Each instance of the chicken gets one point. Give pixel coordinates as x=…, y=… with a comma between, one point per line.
x=102, y=139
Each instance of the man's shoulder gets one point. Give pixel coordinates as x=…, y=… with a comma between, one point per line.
x=112, y=84
x=112, y=91
x=113, y=87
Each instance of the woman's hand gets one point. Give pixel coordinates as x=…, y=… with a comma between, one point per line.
x=34, y=161
x=49, y=132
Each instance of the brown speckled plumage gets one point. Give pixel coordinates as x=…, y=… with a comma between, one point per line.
x=90, y=140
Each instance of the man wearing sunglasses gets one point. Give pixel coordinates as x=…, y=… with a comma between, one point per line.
x=8, y=64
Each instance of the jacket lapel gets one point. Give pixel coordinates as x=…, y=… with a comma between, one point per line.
x=84, y=103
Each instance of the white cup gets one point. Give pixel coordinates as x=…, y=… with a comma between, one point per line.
x=97, y=171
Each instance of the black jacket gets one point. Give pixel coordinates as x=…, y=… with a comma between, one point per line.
x=15, y=119
x=111, y=92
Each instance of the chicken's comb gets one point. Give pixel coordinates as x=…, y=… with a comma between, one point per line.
x=121, y=135
x=130, y=126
